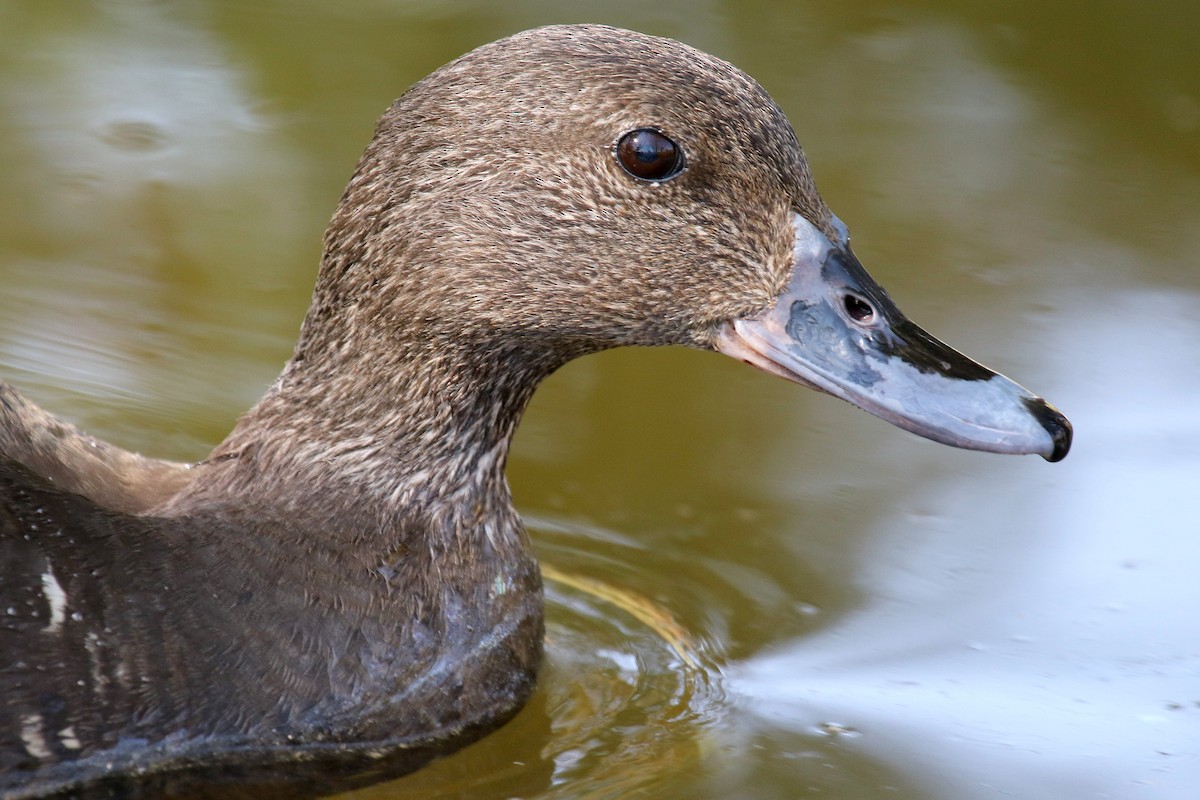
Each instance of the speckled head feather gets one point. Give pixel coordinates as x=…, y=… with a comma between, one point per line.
x=506, y=209
x=489, y=235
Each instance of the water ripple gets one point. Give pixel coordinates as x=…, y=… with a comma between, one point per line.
x=625, y=695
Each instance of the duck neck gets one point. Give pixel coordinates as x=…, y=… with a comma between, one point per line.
x=396, y=434
x=372, y=497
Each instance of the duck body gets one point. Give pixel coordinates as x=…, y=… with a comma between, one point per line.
x=129, y=671
x=343, y=584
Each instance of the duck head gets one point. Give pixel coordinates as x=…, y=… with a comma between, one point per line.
x=574, y=188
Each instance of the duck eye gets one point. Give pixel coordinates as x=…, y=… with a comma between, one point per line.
x=647, y=154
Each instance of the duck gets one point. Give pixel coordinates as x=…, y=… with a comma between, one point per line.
x=342, y=587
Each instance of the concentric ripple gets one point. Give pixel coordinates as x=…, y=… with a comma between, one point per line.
x=625, y=695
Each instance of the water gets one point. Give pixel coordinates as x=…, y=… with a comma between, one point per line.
x=754, y=591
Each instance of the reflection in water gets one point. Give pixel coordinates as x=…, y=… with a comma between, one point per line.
x=136, y=150
x=1050, y=649
x=135, y=120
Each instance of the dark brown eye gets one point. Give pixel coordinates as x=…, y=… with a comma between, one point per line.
x=647, y=154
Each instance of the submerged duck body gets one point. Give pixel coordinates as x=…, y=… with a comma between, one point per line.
x=343, y=583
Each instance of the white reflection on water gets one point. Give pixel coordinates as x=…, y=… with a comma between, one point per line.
x=134, y=149
x=1037, y=638
x=134, y=113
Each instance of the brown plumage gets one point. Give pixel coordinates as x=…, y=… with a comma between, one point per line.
x=343, y=583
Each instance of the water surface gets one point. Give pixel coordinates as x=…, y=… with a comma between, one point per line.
x=755, y=591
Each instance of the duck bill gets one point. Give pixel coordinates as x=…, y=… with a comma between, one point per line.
x=836, y=330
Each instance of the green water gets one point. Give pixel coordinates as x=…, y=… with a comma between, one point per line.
x=755, y=591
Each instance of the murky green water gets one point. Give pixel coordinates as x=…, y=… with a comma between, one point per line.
x=755, y=591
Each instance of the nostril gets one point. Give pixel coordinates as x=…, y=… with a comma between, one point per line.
x=858, y=309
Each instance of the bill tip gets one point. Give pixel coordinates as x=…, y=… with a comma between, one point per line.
x=1055, y=424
